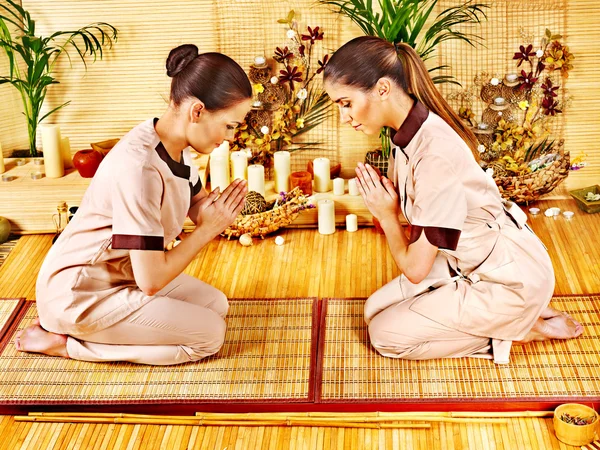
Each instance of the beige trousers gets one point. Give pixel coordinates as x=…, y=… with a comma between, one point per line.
x=398, y=332
x=184, y=322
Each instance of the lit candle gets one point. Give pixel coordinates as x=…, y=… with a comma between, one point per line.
x=499, y=101
x=65, y=151
x=321, y=171
x=339, y=186
x=219, y=172
x=352, y=187
x=260, y=61
x=351, y=223
x=51, y=148
x=282, y=171
x=239, y=165
x=303, y=180
x=511, y=77
x=2, y=168
x=256, y=179
x=326, y=216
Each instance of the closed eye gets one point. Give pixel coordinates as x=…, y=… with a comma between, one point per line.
x=231, y=127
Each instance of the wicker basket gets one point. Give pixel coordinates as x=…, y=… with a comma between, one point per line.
x=529, y=187
x=271, y=220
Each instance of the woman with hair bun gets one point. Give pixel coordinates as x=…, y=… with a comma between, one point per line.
x=475, y=278
x=107, y=290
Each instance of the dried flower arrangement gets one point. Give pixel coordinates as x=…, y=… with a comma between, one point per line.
x=287, y=105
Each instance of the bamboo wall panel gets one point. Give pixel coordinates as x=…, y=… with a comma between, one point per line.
x=130, y=84
x=13, y=127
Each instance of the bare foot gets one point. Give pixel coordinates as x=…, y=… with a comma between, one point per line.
x=550, y=312
x=560, y=326
x=35, y=339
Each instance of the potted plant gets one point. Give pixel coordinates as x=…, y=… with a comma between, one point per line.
x=404, y=21
x=32, y=58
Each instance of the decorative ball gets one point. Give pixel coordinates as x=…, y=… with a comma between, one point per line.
x=255, y=204
x=279, y=240
x=4, y=229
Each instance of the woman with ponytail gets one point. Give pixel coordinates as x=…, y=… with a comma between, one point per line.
x=107, y=290
x=475, y=279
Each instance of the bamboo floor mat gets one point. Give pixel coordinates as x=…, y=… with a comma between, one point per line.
x=9, y=308
x=268, y=357
x=352, y=371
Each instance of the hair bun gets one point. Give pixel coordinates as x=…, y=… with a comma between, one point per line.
x=180, y=57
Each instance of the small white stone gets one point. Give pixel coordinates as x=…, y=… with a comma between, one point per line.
x=274, y=80
x=494, y=81
x=481, y=148
x=539, y=53
x=264, y=129
x=279, y=240
x=246, y=240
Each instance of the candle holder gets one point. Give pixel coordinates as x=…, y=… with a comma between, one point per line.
x=7, y=178
x=38, y=161
x=36, y=175
x=511, y=90
x=491, y=90
x=303, y=180
x=497, y=111
x=260, y=72
x=20, y=162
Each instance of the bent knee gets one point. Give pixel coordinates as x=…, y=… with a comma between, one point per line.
x=388, y=342
x=211, y=342
x=219, y=303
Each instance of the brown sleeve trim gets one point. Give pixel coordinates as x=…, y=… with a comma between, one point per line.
x=132, y=242
x=444, y=238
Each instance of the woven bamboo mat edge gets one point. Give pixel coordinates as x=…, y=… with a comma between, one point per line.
x=233, y=405
x=6, y=330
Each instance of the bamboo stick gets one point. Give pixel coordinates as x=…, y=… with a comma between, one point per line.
x=201, y=422
x=276, y=417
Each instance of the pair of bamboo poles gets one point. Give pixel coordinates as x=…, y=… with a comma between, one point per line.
x=308, y=419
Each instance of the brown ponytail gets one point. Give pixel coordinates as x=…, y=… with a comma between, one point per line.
x=362, y=61
x=419, y=84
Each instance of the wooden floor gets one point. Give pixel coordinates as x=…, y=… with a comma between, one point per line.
x=309, y=265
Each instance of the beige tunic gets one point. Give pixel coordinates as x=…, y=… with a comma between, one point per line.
x=138, y=199
x=493, y=276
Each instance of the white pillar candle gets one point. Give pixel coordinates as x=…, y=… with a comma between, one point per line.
x=65, y=151
x=321, y=171
x=256, y=179
x=339, y=186
x=222, y=149
x=282, y=171
x=51, y=147
x=239, y=165
x=219, y=172
x=2, y=168
x=352, y=187
x=326, y=216
x=351, y=223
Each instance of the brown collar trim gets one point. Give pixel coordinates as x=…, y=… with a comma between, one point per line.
x=179, y=169
x=411, y=125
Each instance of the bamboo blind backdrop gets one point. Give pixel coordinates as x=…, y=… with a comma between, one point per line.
x=130, y=84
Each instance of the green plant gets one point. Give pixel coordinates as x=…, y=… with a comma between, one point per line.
x=408, y=21
x=38, y=54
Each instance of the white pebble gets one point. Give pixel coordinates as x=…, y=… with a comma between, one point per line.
x=246, y=240
x=279, y=240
